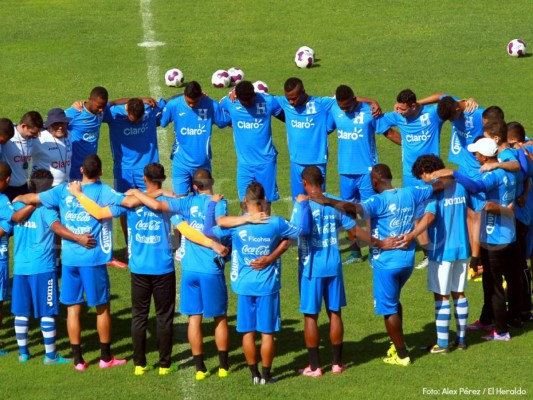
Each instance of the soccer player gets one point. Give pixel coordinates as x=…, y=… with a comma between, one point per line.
x=133, y=137
x=448, y=250
x=320, y=273
x=85, y=127
x=52, y=150
x=17, y=152
x=193, y=115
x=307, y=131
x=256, y=277
x=391, y=212
x=498, y=247
x=467, y=124
x=7, y=215
x=34, y=274
x=356, y=128
x=250, y=117
x=84, y=271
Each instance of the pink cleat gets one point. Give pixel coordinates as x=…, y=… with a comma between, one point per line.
x=114, y=362
x=307, y=371
x=81, y=366
x=337, y=369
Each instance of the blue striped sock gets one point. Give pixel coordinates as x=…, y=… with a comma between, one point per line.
x=442, y=321
x=48, y=328
x=461, y=317
x=21, y=332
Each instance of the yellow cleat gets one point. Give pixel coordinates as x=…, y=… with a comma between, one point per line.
x=200, y=375
x=223, y=373
x=395, y=360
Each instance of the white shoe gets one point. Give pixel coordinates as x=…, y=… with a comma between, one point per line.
x=423, y=264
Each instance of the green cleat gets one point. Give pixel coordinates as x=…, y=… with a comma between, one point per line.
x=395, y=360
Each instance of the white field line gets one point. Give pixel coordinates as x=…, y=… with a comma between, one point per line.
x=187, y=390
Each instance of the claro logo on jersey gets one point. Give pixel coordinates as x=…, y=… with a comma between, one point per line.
x=356, y=134
x=193, y=131
x=60, y=164
x=423, y=137
x=136, y=131
x=307, y=124
x=90, y=137
x=257, y=124
x=22, y=159
x=106, y=243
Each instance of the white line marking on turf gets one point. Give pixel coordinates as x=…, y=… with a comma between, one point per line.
x=151, y=45
x=187, y=390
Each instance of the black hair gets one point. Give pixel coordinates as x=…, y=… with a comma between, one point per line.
x=493, y=113
x=193, y=90
x=446, y=108
x=255, y=193
x=245, y=91
x=5, y=170
x=203, y=179
x=516, y=131
x=41, y=180
x=7, y=129
x=99, y=92
x=496, y=127
x=92, y=166
x=293, y=83
x=135, y=108
x=344, y=93
x=427, y=163
x=406, y=96
x=383, y=171
x=32, y=119
x=155, y=173
x=312, y=175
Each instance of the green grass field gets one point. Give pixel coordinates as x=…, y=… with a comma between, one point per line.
x=53, y=52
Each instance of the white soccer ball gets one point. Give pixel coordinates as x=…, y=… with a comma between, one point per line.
x=516, y=48
x=260, y=87
x=221, y=79
x=174, y=77
x=304, y=59
x=308, y=49
x=236, y=75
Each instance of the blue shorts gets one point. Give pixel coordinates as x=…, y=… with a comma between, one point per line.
x=388, y=284
x=4, y=281
x=182, y=176
x=93, y=281
x=265, y=174
x=297, y=186
x=37, y=292
x=126, y=179
x=258, y=313
x=356, y=187
x=205, y=294
x=313, y=290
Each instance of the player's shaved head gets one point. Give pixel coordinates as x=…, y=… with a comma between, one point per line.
x=203, y=179
x=344, y=93
x=382, y=171
x=92, y=166
x=312, y=175
x=5, y=171
x=99, y=92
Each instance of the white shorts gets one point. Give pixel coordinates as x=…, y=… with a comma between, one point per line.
x=447, y=276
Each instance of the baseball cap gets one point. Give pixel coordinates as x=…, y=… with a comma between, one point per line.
x=54, y=116
x=484, y=146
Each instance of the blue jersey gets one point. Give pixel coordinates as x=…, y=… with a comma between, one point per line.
x=193, y=209
x=500, y=188
x=523, y=214
x=6, y=212
x=149, y=243
x=252, y=128
x=448, y=234
x=84, y=132
x=420, y=135
x=34, y=247
x=252, y=241
x=77, y=220
x=464, y=130
x=133, y=145
x=193, y=128
x=307, y=132
x=392, y=213
x=356, y=138
x=318, y=248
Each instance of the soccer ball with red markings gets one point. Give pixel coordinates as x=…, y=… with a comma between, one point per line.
x=516, y=48
x=174, y=77
x=304, y=59
x=221, y=79
x=308, y=49
x=236, y=75
x=260, y=87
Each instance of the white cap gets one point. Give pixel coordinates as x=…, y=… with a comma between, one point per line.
x=484, y=146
